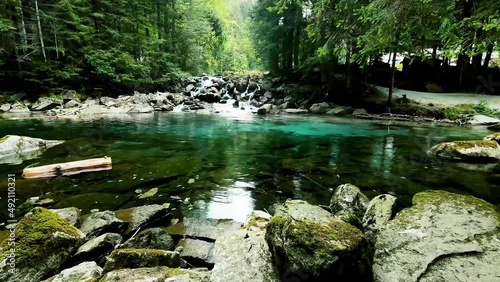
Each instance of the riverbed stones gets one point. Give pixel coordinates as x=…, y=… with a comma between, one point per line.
x=149, y=215
x=198, y=253
x=483, y=120
x=320, y=108
x=379, y=211
x=308, y=242
x=494, y=137
x=244, y=255
x=136, y=258
x=45, y=104
x=99, y=223
x=157, y=274
x=442, y=237
x=340, y=111
x=205, y=229
x=5, y=108
x=473, y=151
x=43, y=242
x=97, y=247
x=71, y=215
x=152, y=238
x=87, y=271
x=348, y=197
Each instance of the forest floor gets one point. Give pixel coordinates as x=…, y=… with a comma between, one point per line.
x=445, y=99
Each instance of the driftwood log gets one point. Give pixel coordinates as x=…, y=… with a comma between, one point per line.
x=66, y=169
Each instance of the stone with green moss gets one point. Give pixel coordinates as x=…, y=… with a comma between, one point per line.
x=135, y=258
x=308, y=241
x=348, y=197
x=494, y=137
x=442, y=237
x=379, y=211
x=43, y=242
x=157, y=274
x=473, y=151
x=87, y=271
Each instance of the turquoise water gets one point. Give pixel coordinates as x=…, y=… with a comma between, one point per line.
x=224, y=167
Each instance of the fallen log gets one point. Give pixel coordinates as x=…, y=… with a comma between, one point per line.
x=70, y=168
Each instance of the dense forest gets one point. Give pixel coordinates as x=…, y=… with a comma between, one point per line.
x=131, y=44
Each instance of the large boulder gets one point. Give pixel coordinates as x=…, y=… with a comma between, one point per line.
x=43, y=241
x=320, y=108
x=15, y=149
x=348, y=197
x=482, y=120
x=135, y=258
x=442, y=237
x=71, y=215
x=473, y=151
x=149, y=215
x=308, y=242
x=5, y=108
x=45, y=104
x=87, y=271
x=99, y=223
x=152, y=238
x=157, y=274
x=97, y=247
x=379, y=211
x=244, y=255
x=198, y=253
x=205, y=229
x=340, y=111
x=18, y=108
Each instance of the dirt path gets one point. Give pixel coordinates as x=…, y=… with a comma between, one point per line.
x=446, y=99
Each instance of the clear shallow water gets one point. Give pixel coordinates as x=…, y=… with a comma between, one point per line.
x=228, y=166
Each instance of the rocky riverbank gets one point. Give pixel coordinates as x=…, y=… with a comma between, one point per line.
x=247, y=94
x=352, y=239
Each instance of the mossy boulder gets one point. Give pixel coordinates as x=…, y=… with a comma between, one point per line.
x=157, y=274
x=471, y=151
x=442, y=237
x=307, y=241
x=135, y=258
x=43, y=242
x=87, y=271
x=493, y=137
x=348, y=197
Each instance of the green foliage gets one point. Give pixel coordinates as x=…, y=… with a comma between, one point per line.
x=460, y=111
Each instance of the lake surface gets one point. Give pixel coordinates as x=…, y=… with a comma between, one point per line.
x=224, y=167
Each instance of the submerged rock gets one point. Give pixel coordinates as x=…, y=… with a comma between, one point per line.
x=157, y=274
x=349, y=198
x=152, y=238
x=87, y=271
x=99, y=223
x=244, y=255
x=135, y=258
x=309, y=243
x=442, y=237
x=474, y=151
x=149, y=215
x=43, y=242
x=379, y=211
x=15, y=149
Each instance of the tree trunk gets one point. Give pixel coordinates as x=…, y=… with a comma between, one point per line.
x=55, y=40
x=393, y=75
x=348, y=66
x=434, y=51
x=42, y=46
x=488, y=56
x=22, y=27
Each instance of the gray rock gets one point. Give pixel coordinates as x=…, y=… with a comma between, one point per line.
x=469, y=151
x=483, y=120
x=442, y=237
x=494, y=137
x=359, y=112
x=5, y=108
x=340, y=111
x=257, y=220
x=45, y=104
x=43, y=243
x=190, y=88
x=135, y=258
x=287, y=105
x=495, y=127
x=157, y=274
x=87, y=271
x=72, y=104
x=71, y=215
x=307, y=240
x=296, y=111
x=149, y=215
x=320, y=108
x=16, y=149
x=268, y=109
x=18, y=108
x=97, y=247
x=205, y=229
x=197, y=252
x=99, y=223
x=152, y=238
x=380, y=210
x=349, y=198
